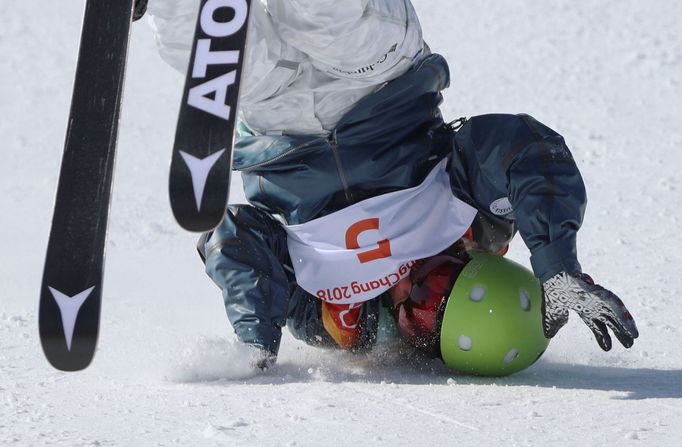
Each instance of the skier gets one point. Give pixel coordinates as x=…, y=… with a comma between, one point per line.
x=352, y=173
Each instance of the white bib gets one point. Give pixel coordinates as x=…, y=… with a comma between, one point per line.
x=359, y=252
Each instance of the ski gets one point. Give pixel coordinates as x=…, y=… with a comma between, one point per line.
x=71, y=290
x=199, y=179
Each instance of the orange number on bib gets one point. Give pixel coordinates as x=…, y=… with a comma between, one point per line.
x=353, y=233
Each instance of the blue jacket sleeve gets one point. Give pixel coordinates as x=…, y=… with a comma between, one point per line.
x=517, y=158
x=244, y=256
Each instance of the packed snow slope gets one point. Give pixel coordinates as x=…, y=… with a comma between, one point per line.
x=605, y=74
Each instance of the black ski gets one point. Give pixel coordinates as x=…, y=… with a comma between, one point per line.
x=71, y=290
x=199, y=180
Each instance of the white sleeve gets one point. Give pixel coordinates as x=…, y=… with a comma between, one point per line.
x=173, y=23
x=270, y=63
x=364, y=40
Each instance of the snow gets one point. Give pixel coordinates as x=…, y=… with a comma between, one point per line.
x=606, y=74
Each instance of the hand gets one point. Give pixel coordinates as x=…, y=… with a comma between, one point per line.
x=261, y=358
x=599, y=308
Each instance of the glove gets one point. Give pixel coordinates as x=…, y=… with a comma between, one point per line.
x=261, y=358
x=599, y=308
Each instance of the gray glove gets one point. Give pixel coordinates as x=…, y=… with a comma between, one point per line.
x=599, y=308
x=261, y=358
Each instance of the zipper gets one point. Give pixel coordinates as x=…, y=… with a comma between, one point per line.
x=280, y=156
x=456, y=124
x=333, y=143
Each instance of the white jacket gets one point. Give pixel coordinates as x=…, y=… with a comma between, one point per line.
x=308, y=61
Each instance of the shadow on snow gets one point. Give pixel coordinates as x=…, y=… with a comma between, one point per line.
x=401, y=368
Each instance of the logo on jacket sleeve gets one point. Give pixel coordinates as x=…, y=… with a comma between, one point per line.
x=501, y=207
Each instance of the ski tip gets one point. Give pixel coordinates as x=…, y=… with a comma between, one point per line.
x=199, y=188
x=64, y=360
x=69, y=366
x=68, y=323
x=198, y=223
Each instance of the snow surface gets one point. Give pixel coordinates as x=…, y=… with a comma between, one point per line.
x=606, y=74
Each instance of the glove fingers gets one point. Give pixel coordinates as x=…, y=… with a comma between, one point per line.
x=600, y=332
x=618, y=318
x=552, y=325
x=621, y=333
x=598, y=307
x=624, y=340
x=612, y=314
x=553, y=318
x=621, y=316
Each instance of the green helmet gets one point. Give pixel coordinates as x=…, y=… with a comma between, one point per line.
x=492, y=323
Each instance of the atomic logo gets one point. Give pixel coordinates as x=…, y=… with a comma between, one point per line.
x=211, y=95
x=69, y=307
x=199, y=169
x=501, y=207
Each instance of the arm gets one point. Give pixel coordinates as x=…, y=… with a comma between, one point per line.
x=549, y=199
x=244, y=256
x=372, y=40
x=517, y=156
